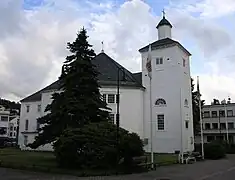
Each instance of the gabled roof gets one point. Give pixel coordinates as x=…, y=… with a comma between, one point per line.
x=138, y=76
x=163, y=22
x=108, y=76
x=163, y=42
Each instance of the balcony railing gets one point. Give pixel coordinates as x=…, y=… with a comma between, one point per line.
x=209, y=131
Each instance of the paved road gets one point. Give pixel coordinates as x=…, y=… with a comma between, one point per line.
x=208, y=170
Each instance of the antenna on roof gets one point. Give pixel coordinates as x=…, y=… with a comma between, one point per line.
x=102, y=49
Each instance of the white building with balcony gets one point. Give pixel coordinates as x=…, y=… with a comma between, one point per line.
x=4, y=121
x=170, y=113
x=219, y=122
x=13, y=126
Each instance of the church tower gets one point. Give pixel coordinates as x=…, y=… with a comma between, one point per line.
x=169, y=112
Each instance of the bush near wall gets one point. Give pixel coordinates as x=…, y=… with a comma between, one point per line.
x=214, y=150
x=95, y=147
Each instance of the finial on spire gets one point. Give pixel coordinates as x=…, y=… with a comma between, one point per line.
x=102, y=50
x=163, y=13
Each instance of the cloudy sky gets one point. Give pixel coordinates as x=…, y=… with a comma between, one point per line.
x=34, y=33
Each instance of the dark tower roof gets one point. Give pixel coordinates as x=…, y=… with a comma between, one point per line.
x=163, y=22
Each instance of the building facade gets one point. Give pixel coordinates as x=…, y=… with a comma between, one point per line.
x=171, y=119
x=13, y=127
x=219, y=122
x=4, y=122
x=8, y=123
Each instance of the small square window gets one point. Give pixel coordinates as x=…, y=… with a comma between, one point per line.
x=215, y=126
x=11, y=134
x=230, y=125
x=222, y=126
x=230, y=113
x=214, y=113
x=111, y=98
x=222, y=113
x=206, y=114
x=159, y=60
x=207, y=125
x=4, y=118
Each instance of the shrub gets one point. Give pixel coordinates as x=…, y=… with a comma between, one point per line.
x=95, y=147
x=230, y=148
x=214, y=150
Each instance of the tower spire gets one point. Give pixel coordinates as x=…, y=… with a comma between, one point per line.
x=102, y=49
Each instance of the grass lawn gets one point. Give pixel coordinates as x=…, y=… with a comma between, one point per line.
x=45, y=162
x=163, y=159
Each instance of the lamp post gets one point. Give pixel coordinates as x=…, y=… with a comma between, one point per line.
x=118, y=102
x=226, y=117
x=219, y=125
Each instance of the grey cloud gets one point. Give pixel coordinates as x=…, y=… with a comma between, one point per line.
x=28, y=52
x=210, y=37
x=10, y=17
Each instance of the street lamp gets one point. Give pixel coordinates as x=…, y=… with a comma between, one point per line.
x=226, y=117
x=118, y=99
x=219, y=125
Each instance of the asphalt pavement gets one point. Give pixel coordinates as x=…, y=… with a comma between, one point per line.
x=208, y=170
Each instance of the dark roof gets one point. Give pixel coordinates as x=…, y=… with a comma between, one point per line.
x=108, y=75
x=161, y=43
x=138, y=76
x=163, y=22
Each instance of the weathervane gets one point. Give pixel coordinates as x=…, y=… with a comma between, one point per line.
x=102, y=50
x=164, y=13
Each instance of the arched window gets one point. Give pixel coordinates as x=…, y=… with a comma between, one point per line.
x=160, y=102
x=186, y=102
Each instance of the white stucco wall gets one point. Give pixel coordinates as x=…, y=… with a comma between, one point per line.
x=164, y=32
x=131, y=113
x=131, y=108
x=170, y=83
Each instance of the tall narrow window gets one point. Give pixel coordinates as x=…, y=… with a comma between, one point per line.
x=186, y=124
x=184, y=62
x=27, y=108
x=160, y=122
x=39, y=108
x=26, y=125
x=38, y=125
x=111, y=98
x=104, y=98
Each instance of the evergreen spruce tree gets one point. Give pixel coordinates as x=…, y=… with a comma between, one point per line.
x=79, y=101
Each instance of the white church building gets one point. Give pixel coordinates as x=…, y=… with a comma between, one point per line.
x=171, y=102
